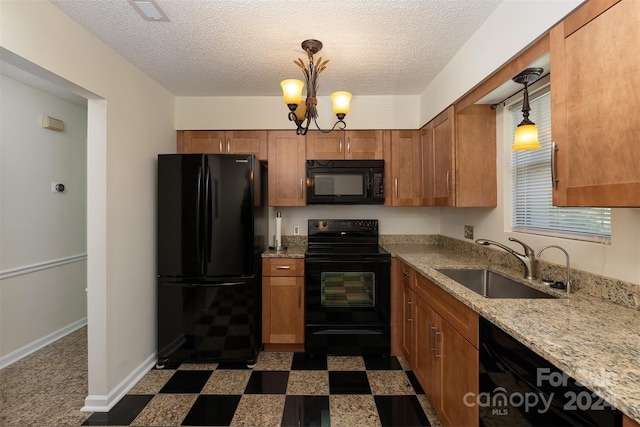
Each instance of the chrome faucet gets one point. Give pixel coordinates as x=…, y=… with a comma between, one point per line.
x=568, y=279
x=528, y=259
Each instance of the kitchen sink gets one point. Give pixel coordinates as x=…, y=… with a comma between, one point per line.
x=493, y=285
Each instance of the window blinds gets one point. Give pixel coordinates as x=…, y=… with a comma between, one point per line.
x=532, y=209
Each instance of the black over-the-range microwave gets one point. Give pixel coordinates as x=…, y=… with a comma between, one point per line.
x=345, y=182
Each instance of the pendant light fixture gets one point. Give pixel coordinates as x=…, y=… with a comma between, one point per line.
x=526, y=136
x=302, y=113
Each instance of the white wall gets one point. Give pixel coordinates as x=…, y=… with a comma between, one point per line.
x=130, y=119
x=618, y=260
x=270, y=112
x=392, y=220
x=42, y=234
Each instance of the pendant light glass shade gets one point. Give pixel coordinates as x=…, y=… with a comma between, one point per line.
x=526, y=138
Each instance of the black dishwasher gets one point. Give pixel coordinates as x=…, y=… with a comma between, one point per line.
x=520, y=388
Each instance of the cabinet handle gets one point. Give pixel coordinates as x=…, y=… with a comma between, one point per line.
x=341, y=145
x=435, y=343
x=301, y=188
x=283, y=267
x=408, y=310
x=395, y=183
x=349, y=145
x=448, y=173
x=220, y=143
x=405, y=274
x=554, y=180
x=431, y=346
x=228, y=145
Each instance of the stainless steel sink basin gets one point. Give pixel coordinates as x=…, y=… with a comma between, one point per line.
x=493, y=285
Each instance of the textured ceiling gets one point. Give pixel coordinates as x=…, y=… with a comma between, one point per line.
x=246, y=47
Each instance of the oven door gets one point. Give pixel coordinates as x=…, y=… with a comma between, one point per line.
x=347, y=300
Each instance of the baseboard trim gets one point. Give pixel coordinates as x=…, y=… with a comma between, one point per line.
x=104, y=402
x=36, y=345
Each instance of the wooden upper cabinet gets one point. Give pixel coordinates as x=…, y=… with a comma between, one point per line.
x=426, y=152
x=365, y=144
x=475, y=154
x=287, y=169
x=338, y=145
x=595, y=64
x=404, y=178
x=224, y=142
x=458, y=153
x=443, y=176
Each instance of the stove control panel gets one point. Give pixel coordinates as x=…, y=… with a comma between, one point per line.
x=328, y=225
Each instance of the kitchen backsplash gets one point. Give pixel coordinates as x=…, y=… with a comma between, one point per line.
x=617, y=291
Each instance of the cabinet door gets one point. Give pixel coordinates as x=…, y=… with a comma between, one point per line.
x=426, y=157
x=408, y=310
x=286, y=154
x=282, y=310
x=444, y=174
x=364, y=144
x=325, y=146
x=459, y=360
x=202, y=141
x=246, y=142
x=406, y=176
x=426, y=362
x=596, y=72
x=475, y=157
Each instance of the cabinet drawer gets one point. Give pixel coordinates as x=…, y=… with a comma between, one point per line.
x=459, y=316
x=283, y=267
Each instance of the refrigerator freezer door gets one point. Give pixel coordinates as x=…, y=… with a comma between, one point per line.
x=180, y=215
x=229, y=226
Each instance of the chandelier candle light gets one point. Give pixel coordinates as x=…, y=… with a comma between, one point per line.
x=302, y=113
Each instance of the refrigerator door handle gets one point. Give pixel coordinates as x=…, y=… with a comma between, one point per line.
x=207, y=204
x=198, y=211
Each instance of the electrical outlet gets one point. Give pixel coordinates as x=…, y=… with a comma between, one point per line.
x=468, y=232
x=296, y=230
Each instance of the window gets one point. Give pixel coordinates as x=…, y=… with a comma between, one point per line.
x=532, y=210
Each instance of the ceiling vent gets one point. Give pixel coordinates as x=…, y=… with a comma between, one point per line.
x=149, y=10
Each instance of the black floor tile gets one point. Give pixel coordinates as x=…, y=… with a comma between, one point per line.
x=348, y=382
x=186, y=382
x=303, y=361
x=212, y=410
x=400, y=411
x=306, y=411
x=123, y=413
x=382, y=363
x=414, y=382
x=267, y=382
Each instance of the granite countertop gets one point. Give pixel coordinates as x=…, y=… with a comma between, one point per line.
x=594, y=341
x=292, y=251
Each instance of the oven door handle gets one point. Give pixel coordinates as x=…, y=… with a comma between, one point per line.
x=338, y=260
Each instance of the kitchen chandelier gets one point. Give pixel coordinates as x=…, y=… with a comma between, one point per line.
x=526, y=136
x=302, y=113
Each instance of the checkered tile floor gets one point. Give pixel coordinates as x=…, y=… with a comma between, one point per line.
x=284, y=389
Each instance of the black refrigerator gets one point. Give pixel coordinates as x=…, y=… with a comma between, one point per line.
x=212, y=229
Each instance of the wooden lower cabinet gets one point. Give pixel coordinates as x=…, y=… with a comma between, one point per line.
x=442, y=356
x=628, y=422
x=283, y=304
